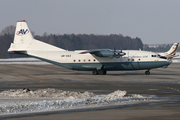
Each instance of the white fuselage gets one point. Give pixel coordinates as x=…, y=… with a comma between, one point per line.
x=133, y=60
x=99, y=61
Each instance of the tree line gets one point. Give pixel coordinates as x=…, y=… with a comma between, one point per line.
x=79, y=42
x=73, y=42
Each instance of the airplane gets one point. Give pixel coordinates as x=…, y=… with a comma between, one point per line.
x=171, y=53
x=99, y=61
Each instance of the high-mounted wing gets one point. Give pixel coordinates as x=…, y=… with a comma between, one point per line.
x=105, y=53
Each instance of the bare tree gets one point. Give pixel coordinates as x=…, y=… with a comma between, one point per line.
x=45, y=34
x=33, y=33
x=8, y=30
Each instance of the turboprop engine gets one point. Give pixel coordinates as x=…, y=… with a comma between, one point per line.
x=110, y=53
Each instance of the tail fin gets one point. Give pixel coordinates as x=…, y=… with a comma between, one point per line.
x=172, y=52
x=24, y=41
x=22, y=33
x=173, y=49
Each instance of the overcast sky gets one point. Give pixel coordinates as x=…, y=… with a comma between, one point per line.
x=154, y=21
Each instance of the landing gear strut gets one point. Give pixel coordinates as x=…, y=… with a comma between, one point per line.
x=98, y=72
x=147, y=72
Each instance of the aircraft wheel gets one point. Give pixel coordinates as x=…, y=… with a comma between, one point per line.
x=94, y=72
x=100, y=72
x=147, y=72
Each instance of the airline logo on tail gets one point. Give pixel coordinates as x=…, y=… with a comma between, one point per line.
x=22, y=32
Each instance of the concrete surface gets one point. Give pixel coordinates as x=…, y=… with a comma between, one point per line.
x=163, y=83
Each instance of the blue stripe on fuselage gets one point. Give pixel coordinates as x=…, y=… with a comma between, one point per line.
x=113, y=66
x=119, y=65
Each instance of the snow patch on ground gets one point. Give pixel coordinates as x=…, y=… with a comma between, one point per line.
x=43, y=93
x=22, y=61
x=27, y=101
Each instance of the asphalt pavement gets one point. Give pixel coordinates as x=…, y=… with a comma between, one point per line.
x=163, y=83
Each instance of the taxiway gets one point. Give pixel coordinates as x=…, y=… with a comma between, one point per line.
x=163, y=83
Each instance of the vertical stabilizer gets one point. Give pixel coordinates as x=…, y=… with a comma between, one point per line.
x=22, y=33
x=171, y=52
x=23, y=40
x=173, y=49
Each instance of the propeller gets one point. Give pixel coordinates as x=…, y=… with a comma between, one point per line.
x=122, y=53
x=118, y=54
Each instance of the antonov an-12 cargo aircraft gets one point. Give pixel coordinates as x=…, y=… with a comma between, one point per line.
x=98, y=60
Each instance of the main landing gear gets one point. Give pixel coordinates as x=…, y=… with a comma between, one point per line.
x=147, y=72
x=98, y=72
x=102, y=72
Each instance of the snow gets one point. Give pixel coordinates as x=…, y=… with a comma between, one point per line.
x=176, y=60
x=22, y=61
x=43, y=93
x=26, y=101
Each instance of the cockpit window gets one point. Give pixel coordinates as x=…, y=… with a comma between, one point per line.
x=153, y=56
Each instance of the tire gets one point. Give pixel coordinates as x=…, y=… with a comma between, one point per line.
x=94, y=72
x=100, y=72
x=147, y=72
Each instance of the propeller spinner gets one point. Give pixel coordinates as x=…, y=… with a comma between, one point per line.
x=117, y=54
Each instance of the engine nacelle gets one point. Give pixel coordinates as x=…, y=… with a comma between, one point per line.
x=108, y=53
x=105, y=54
